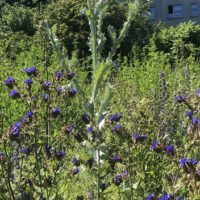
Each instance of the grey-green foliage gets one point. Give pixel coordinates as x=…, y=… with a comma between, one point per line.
x=100, y=67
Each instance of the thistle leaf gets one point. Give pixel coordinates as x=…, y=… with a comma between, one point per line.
x=112, y=32
x=106, y=100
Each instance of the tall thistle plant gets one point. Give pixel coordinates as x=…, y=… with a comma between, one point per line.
x=101, y=93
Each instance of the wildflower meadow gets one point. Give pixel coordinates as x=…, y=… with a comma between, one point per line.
x=95, y=114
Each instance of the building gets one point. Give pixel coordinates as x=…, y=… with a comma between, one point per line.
x=173, y=12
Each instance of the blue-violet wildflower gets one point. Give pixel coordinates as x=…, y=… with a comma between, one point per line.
x=15, y=131
x=169, y=149
x=180, y=99
x=55, y=112
x=72, y=92
x=117, y=128
x=70, y=75
x=14, y=94
x=28, y=81
x=118, y=180
x=31, y=71
x=59, y=75
x=75, y=170
x=59, y=154
x=139, y=138
x=9, y=82
x=150, y=197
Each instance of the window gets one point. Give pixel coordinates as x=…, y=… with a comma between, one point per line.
x=152, y=13
x=194, y=9
x=175, y=11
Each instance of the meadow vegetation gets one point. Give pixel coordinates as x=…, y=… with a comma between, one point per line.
x=98, y=103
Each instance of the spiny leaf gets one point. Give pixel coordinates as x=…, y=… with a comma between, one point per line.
x=112, y=32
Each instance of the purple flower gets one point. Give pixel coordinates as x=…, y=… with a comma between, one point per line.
x=69, y=129
x=169, y=149
x=59, y=75
x=23, y=120
x=9, y=82
x=45, y=97
x=76, y=161
x=188, y=114
x=75, y=171
x=117, y=128
x=15, y=131
x=197, y=93
x=188, y=165
x=192, y=161
x=180, y=99
x=102, y=186
x=55, y=112
x=46, y=85
x=124, y=173
x=59, y=154
x=118, y=180
x=183, y=161
x=150, y=197
x=25, y=150
x=115, y=117
x=14, y=94
x=90, y=129
x=139, y=138
x=166, y=196
x=115, y=159
x=31, y=71
x=28, y=81
x=70, y=75
x=112, y=118
x=118, y=116
x=29, y=114
x=156, y=146
x=59, y=89
x=195, y=121
x=72, y=92
x=86, y=118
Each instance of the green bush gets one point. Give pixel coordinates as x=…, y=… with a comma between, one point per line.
x=70, y=19
x=16, y=18
x=181, y=41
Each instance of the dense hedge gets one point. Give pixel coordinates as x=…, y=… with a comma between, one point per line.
x=73, y=27
x=182, y=40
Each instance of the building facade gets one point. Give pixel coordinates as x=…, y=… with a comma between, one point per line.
x=173, y=12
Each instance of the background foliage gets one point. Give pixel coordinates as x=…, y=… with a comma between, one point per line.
x=154, y=65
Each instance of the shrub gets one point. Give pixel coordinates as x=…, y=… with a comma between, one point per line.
x=180, y=41
x=69, y=20
x=16, y=18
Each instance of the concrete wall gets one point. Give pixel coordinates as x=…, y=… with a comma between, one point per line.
x=163, y=8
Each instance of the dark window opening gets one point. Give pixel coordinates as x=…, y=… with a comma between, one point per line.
x=170, y=9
